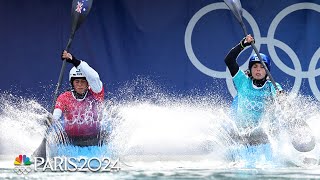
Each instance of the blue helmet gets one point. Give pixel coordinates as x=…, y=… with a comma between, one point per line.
x=254, y=59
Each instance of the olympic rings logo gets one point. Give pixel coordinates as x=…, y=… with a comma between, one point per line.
x=271, y=43
x=22, y=170
x=253, y=105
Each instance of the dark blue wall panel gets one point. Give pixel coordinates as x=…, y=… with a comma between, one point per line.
x=126, y=39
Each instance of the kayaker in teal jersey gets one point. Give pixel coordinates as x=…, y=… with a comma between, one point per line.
x=254, y=90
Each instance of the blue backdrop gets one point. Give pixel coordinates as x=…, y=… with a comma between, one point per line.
x=178, y=44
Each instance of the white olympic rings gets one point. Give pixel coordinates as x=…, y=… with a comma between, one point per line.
x=271, y=43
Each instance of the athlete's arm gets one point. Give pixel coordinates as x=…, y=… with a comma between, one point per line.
x=231, y=57
x=230, y=60
x=59, y=106
x=57, y=113
x=91, y=75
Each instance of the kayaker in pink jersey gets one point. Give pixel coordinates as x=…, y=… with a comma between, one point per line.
x=80, y=108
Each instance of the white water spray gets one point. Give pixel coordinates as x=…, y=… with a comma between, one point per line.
x=150, y=125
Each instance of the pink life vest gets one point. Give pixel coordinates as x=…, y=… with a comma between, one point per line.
x=81, y=118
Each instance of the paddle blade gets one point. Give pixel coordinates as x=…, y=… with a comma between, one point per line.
x=236, y=8
x=79, y=11
x=302, y=138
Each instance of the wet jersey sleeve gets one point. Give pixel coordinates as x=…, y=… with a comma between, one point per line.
x=57, y=113
x=60, y=102
x=98, y=96
x=92, y=77
x=239, y=78
x=59, y=106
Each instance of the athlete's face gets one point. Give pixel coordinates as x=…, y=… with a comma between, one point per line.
x=80, y=85
x=258, y=72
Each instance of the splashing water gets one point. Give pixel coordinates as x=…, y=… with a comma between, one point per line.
x=21, y=124
x=151, y=125
x=292, y=111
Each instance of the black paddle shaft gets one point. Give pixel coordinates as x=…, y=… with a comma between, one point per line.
x=236, y=8
x=60, y=76
x=79, y=11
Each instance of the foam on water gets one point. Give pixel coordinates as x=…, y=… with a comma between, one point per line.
x=152, y=126
x=293, y=110
x=21, y=124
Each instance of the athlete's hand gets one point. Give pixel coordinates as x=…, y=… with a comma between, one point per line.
x=246, y=41
x=70, y=58
x=66, y=56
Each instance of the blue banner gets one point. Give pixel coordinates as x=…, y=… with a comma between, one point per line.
x=179, y=45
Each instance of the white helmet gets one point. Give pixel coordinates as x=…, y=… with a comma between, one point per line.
x=75, y=73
